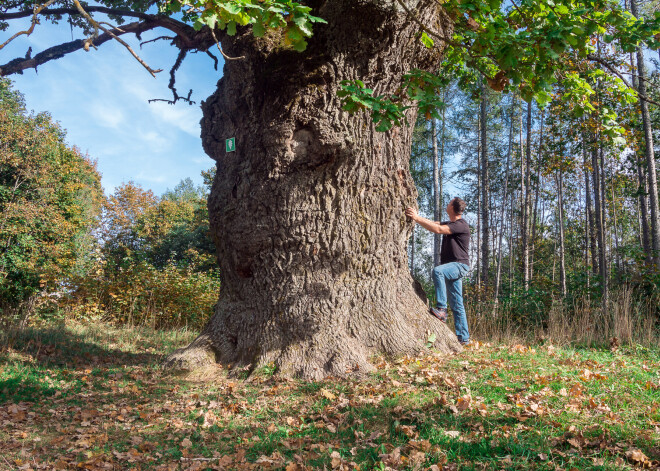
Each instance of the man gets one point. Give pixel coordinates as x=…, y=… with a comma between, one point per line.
x=454, y=264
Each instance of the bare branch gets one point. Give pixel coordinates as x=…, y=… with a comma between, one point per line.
x=170, y=38
x=35, y=21
x=18, y=65
x=74, y=11
x=96, y=25
x=171, y=85
x=215, y=59
x=217, y=43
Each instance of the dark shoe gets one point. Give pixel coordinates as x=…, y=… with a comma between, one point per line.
x=464, y=343
x=439, y=313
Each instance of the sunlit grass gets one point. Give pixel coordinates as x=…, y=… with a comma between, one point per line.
x=93, y=396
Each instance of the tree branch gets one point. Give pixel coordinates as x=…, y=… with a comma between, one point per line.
x=186, y=38
x=35, y=20
x=74, y=11
x=90, y=40
x=171, y=85
x=423, y=27
x=18, y=65
x=612, y=69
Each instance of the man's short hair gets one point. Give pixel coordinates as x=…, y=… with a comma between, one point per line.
x=458, y=205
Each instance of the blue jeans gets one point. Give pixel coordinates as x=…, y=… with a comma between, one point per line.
x=447, y=279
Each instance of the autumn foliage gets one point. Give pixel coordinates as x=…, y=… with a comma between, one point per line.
x=154, y=263
x=131, y=257
x=50, y=198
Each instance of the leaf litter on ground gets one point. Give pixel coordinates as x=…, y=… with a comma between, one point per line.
x=490, y=407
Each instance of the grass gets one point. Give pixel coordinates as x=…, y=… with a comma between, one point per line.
x=92, y=396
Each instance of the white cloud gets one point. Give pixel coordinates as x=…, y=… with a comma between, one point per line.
x=107, y=115
x=101, y=99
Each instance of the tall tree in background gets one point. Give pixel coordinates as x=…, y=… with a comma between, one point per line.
x=505, y=199
x=437, y=195
x=485, y=187
x=526, y=198
x=654, y=215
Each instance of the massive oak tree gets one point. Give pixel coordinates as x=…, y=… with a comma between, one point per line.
x=307, y=211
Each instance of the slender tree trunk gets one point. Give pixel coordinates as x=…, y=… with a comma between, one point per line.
x=527, y=198
x=591, y=218
x=437, y=181
x=537, y=191
x=505, y=200
x=603, y=207
x=308, y=212
x=602, y=268
x=480, y=203
x=642, y=194
x=485, y=217
x=442, y=154
x=587, y=267
x=510, y=242
x=649, y=152
x=617, y=252
x=560, y=210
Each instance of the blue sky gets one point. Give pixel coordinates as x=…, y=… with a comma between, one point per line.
x=101, y=98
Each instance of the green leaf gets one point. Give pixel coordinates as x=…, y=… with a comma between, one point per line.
x=426, y=40
x=258, y=29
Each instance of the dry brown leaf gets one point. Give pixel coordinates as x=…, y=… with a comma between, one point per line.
x=463, y=403
x=186, y=443
x=637, y=457
x=328, y=395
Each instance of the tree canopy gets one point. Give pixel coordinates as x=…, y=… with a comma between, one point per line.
x=527, y=45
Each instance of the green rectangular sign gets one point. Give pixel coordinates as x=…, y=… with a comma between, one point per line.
x=230, y=144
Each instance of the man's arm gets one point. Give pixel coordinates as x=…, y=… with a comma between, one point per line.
x=427, y=224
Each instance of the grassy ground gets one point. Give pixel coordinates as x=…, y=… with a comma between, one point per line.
x=93, y=397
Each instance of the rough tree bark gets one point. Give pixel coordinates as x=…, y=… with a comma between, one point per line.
x=307, y=213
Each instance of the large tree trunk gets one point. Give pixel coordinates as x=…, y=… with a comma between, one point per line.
x=307, y=213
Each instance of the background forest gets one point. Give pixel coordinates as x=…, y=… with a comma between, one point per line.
x=69, y=250
x=559, y=211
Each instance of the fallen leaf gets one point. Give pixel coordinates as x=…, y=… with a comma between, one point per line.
x=328, y=395
x=186, y=443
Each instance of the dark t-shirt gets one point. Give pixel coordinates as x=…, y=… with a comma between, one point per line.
x=456, y=246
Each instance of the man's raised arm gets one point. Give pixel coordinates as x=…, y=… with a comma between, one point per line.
x=432, y=226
